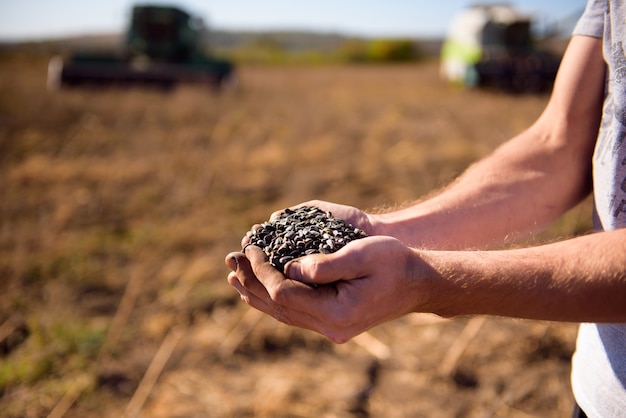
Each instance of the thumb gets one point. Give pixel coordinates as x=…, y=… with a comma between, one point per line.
x=326, y=268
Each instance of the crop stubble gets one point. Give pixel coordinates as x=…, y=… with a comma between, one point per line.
x=101, y=186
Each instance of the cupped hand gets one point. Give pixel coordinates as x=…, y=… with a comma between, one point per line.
x=350, y=214
x=339, y=295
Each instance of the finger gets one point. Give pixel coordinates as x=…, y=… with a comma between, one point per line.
x=276, y=214
x=246, y=238
x=252, y=290
x=281, y=290
x=247, y=278
x=248, y=297
x=262, y=281
x=231, y=261
x=348, y=263
x=321, y=309
x=287, y=316
x=267, y=275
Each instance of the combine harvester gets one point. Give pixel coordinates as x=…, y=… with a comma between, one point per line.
x=492, y=46
x=163, y=47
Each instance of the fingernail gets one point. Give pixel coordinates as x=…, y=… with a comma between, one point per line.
x=293, y=270
x=232, y=263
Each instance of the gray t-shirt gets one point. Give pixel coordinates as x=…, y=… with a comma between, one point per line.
x=599, y=364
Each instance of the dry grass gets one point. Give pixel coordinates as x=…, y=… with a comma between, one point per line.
x=117, y=208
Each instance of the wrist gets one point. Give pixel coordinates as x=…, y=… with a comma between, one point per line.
x=412, y=228
x=379, y=225
x=448, y=277
x=427, y=285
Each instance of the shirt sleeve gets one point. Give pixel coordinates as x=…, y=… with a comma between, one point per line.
x=591, y=23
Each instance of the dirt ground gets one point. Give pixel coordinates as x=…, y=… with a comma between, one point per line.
x=118, y=206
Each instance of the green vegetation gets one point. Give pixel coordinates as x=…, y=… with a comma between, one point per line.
x=50, y=351
x=268, y=49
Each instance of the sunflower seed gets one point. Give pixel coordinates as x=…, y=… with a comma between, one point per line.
x=303, y=231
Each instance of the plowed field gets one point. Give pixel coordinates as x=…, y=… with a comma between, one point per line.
x=117, y=208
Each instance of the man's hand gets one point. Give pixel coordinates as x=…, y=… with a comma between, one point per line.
x=339, y=295
x=351, y=215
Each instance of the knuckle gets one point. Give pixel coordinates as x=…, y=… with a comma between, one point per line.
x=316, y=267
x=278, y=295
x=245, y=282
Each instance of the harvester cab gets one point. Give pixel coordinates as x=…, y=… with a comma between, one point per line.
x=163, y=34
x=493, y=46
x=163, y=47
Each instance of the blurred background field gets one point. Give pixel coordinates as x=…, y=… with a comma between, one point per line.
x=118, y=206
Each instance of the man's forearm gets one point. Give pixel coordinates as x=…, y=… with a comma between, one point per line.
x=529, y=181
x=579, y=280
x=520, y=189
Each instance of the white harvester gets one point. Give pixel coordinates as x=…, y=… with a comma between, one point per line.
x=492, y=45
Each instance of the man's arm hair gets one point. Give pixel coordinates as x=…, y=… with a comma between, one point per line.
x=526, y=183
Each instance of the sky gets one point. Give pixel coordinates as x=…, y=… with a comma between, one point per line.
x=43, y=19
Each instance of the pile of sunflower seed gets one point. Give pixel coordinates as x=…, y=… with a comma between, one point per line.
x=303, y=231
